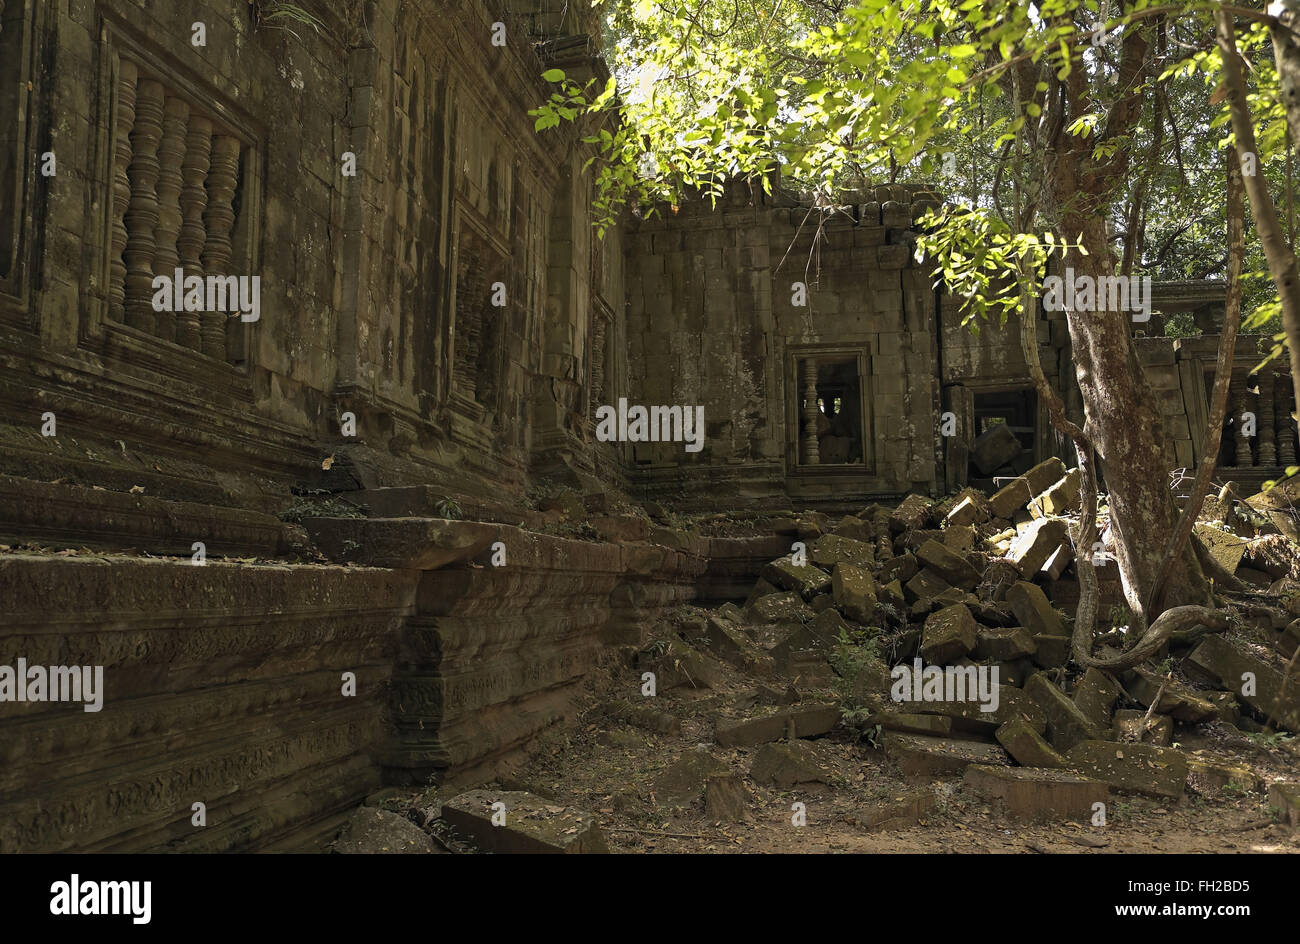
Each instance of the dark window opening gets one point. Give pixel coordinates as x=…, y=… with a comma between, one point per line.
x=1018, y=409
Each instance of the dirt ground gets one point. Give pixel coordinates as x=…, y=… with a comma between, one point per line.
x=609, y=768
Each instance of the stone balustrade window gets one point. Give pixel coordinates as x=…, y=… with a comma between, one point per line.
x=478, y=338
x=178, y=180
x=16, y=76
x=1268, y=396
x=828, y=389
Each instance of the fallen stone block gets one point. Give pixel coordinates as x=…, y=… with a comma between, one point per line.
x=1027, y=746
x=920, y=756
x=1226, y=549
x=1137, y=768
x=778, y=608
x=910, y=514
x=949, y=634
x=912, y=540
x=532, y=824
x=807, y=721
x=809, y=668
x=1225, y=706
x=967, y=710
x=1279, y=504
x=786, y=765
x=803, y=579
x=1059, y=562
x=761, y=589
x=1004, y=643
x=1010, y=498
x=1052, y=651
x=1218, y=776
x=901, y=568
x=905, y=808
x=1096, y=694
x=965, y=512
x=1229, y=664
x=680, y=664
x=1060, y=498
x=911, y=723
x=952, y=567
x=959, y=539
x=1285, y=798
x=854, y=527
x=372, y=831
x=644, y=716
x=1129, y=725
x=994, y=448
x=1036, y=544
x=1033, y=612
x=854, y=591
x=831, y=549
x=731, y=612
x=1044, y=474
x=926, y=586
x=801, y=644
x=1037, y=793
x=891, y=594
x=731, y=644
x=1066, y=724
x=726, y=799
x=682, y=781
x=1176, y=699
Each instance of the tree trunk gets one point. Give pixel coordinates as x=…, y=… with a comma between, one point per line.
x=1286, y=56
x=1282, y=263
x=1222, y=381
x=1122, y=419
x=1128, y=433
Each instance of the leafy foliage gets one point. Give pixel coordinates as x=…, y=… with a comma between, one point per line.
x=840, y=95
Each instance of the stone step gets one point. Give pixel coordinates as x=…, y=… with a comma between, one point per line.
x=921, y=756
x=60, y=515
x=524, y=823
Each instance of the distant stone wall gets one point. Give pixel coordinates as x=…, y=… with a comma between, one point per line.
x=714, y=319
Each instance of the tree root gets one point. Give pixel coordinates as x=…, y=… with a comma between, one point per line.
x=1172, y=620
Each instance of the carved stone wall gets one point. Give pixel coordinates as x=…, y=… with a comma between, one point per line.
x=223, y=685
x=715, y=319
x=176, y=177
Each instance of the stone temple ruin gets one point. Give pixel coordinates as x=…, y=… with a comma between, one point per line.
x=391, y=478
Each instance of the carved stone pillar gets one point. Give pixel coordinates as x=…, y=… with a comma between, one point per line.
x=219, y=220
x=193, y=201
x=124, y=121
x=1244, y=457
x=810, y=445
x=171, y=152
x=142, y=215
x=1267, y=444
x=1286, y=426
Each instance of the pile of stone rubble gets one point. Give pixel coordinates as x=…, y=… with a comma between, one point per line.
x=939, y=630
x=960, y=585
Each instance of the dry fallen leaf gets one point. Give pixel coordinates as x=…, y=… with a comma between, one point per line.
x=327, y=463
x=137, y=489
